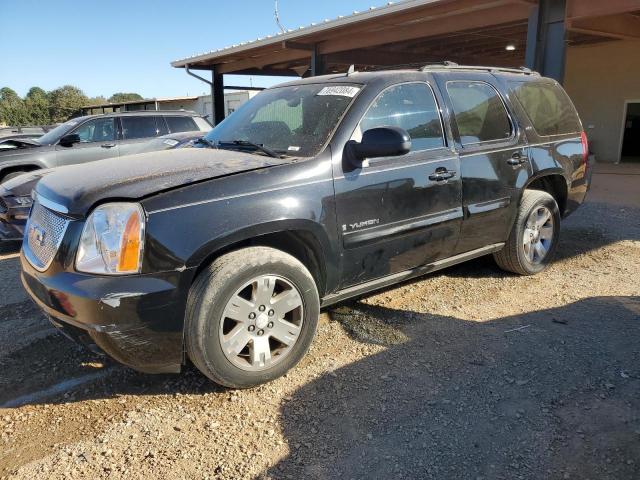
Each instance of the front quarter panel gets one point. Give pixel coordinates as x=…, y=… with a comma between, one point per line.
x=187, y=226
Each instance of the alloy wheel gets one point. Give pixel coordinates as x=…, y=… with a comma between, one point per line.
x=261, y=323
x=538, y=234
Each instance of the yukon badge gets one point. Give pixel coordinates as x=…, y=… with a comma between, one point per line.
x=358, y=225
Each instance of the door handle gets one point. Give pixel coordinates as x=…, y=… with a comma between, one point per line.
x=108, y=145
x=517, y=159
x=442, y=174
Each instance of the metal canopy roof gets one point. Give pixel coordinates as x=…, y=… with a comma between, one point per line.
x=414, y=32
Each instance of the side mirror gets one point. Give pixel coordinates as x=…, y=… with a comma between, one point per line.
x=69, y=140
x=381, y=142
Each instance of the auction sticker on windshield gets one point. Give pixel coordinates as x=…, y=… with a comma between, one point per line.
x=341, y=90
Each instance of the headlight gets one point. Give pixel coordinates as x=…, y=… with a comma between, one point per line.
x=112, y=240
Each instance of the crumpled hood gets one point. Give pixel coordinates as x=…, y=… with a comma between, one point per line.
x=78, y=187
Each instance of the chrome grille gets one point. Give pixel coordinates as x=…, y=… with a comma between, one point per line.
x=43, y=235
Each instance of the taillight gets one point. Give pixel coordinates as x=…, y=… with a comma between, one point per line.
x=585, y=149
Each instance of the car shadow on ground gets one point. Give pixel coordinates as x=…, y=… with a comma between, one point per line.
x=593, y=226
x=54, y=369
x=547, y=394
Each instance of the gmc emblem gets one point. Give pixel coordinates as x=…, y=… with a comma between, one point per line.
x=36, y=235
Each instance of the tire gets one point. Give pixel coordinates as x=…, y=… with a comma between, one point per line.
x=515, y=256
x=11, y=175
x=216, y=319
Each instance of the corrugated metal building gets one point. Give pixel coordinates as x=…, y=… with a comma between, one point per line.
x=591, y=46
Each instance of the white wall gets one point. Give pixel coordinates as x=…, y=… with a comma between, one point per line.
x=202, y=104
x=599, y=79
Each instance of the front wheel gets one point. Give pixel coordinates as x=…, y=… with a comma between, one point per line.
x=251, y=316
x=534, y=237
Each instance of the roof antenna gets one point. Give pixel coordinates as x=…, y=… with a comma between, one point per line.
x=352, y=69
x=277, y=15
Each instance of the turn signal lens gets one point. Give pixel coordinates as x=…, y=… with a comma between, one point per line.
x=112, y=240
x=130, y=247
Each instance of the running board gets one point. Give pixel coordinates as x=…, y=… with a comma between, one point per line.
x=389, y=280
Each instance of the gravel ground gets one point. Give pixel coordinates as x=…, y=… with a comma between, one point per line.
x=468, y=373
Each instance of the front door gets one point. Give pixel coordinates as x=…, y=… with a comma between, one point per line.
x=397, y=213
x=97, y=141
x=493, y=157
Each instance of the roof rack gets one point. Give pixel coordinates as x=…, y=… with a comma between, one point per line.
x=454, y=66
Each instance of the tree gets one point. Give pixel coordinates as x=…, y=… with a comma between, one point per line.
x=12, y=109
x=99, y=100
x=65, y=101
x=124, y=97
x=37, y=105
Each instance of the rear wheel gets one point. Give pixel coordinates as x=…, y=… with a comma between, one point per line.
x=534, y=236
x=251, y=316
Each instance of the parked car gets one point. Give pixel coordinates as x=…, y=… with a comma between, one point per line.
x=33, y=131
x=19, y=137
x=312, y=192
x=15, y=193
x=95, y=137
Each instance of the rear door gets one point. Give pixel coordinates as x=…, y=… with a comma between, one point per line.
x=97, y=141
x=137, y=130
x=493, y=157
x=178, y=124
x=398, y=213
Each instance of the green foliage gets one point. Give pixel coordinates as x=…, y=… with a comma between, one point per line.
x=65, y=101
x=124, y=97
x=12, y=108
x=37, y=105
x=99, y=100
x=44, y=108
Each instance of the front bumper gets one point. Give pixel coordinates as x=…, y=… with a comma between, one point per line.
x=137, y=319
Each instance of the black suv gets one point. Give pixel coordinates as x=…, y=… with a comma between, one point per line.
x=314, y=191
x=95, y=137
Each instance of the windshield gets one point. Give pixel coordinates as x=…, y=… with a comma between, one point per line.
x=52, y=136
x=295, y=120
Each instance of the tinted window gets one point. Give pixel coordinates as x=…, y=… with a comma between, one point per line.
x=180, y=124
x=161, y=126
x=409, y=106
x=98, y=130
x=138, y=127
x=479, y=112
x=548, y=107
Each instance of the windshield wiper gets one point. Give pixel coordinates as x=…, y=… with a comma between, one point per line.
x=247, y=143
x=207, y=142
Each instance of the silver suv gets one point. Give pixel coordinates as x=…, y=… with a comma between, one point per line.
x=95, y=137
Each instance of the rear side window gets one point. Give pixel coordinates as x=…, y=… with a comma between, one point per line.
x=479, y=112
x=138, y=127
x=548, y=107
x=161, y=127
x=180, y=124
x=410, y=106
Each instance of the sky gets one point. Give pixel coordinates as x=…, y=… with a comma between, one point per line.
x=108, y=46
